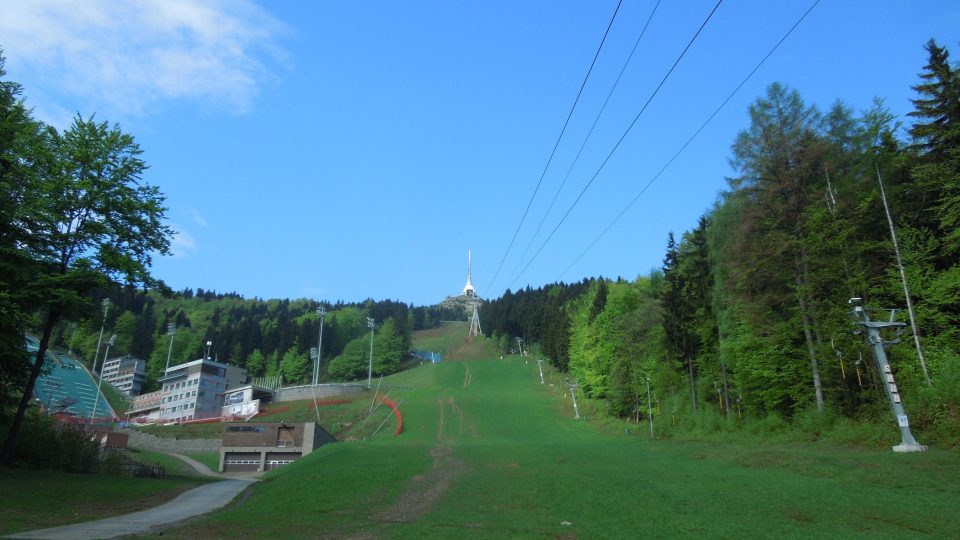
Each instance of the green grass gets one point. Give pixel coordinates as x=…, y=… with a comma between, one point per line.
x=338, y=419
x=117, y=400
x=520, y=466
x=441, y=338
x=41, y=499
x=210, y=459
x=175, y=468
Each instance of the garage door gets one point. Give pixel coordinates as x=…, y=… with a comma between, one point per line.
x=277, y=459
x=241, y=462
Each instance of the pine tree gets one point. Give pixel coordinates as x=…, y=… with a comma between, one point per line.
x=937, y=139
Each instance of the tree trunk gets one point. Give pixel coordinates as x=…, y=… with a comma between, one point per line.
x=808, y=334
x=693, y=385
x=8, y=453
x=723, y=372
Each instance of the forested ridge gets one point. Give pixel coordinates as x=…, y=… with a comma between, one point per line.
x=747, y=321
x=266, y=337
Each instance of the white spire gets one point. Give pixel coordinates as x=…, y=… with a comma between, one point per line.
x=468, y=289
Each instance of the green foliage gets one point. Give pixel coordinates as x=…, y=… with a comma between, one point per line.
x=86, y=219
x=390, y=348
x=256, y=364
x=294, y=367
x=613, y=351
x=752, y=302
x=46, y=444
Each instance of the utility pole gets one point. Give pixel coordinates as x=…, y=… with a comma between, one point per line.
x=573, y=394
x=96, y=400
x=646, y=380
x=371, y=324
x=903, y=278
x=106, y=309
x=540, y=365
x=171, y=331
x=907, y=442
x=321, y=312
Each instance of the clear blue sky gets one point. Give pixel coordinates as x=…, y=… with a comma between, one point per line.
x=345, y=150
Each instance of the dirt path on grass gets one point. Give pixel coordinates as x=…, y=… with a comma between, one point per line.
x=424, y=491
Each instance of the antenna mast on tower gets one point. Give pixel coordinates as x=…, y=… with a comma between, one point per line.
x=471, y=294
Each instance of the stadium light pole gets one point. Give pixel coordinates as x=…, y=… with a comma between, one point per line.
x=540, y=365
x=371, y=324
x=96, y=400
x=171, y=331
x=321, y=312
x=73, y=326
x=96, y=355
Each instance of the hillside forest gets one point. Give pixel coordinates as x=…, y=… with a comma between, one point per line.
x=747, y=321
x=748, y=317
x=267, y=337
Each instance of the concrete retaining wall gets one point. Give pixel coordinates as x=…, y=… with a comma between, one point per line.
x=146, y=441
x=294, y=393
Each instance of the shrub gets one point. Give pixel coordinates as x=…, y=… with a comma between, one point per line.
x=46, y=444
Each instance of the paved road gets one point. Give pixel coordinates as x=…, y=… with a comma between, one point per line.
x=192, y=503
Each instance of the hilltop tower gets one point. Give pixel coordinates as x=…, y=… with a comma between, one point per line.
x=468, y=300
x=468, y=290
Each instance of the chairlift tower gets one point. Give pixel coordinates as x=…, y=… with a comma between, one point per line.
x=873, y=328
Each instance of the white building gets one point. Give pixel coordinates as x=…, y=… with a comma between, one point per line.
x=126, y=373
x=194, y=390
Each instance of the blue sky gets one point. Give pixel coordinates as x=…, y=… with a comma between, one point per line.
x=345, y=150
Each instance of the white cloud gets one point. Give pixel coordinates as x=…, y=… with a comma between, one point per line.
x=132, y=55
x=183, y=244
x=198, y=217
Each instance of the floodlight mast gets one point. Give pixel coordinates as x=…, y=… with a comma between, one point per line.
x=371, y=324
x=171, y=331
x=96, y=401
x=540, y=365
x=321, y=312
x=106, y=309
x=876, y=341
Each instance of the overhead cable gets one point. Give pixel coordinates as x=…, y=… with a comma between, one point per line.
x=555, y=145
x=619, y=141
x=587, y=138
x=692, y=137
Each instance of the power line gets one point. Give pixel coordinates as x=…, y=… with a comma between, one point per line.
x=555, y=145
x=692, y=137
x=620, y=141
x=587, y=138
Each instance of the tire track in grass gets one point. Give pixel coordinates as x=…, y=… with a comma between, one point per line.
x=424, y=491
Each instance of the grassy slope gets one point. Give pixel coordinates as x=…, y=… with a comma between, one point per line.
x=509, y=461
x=40, y=499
